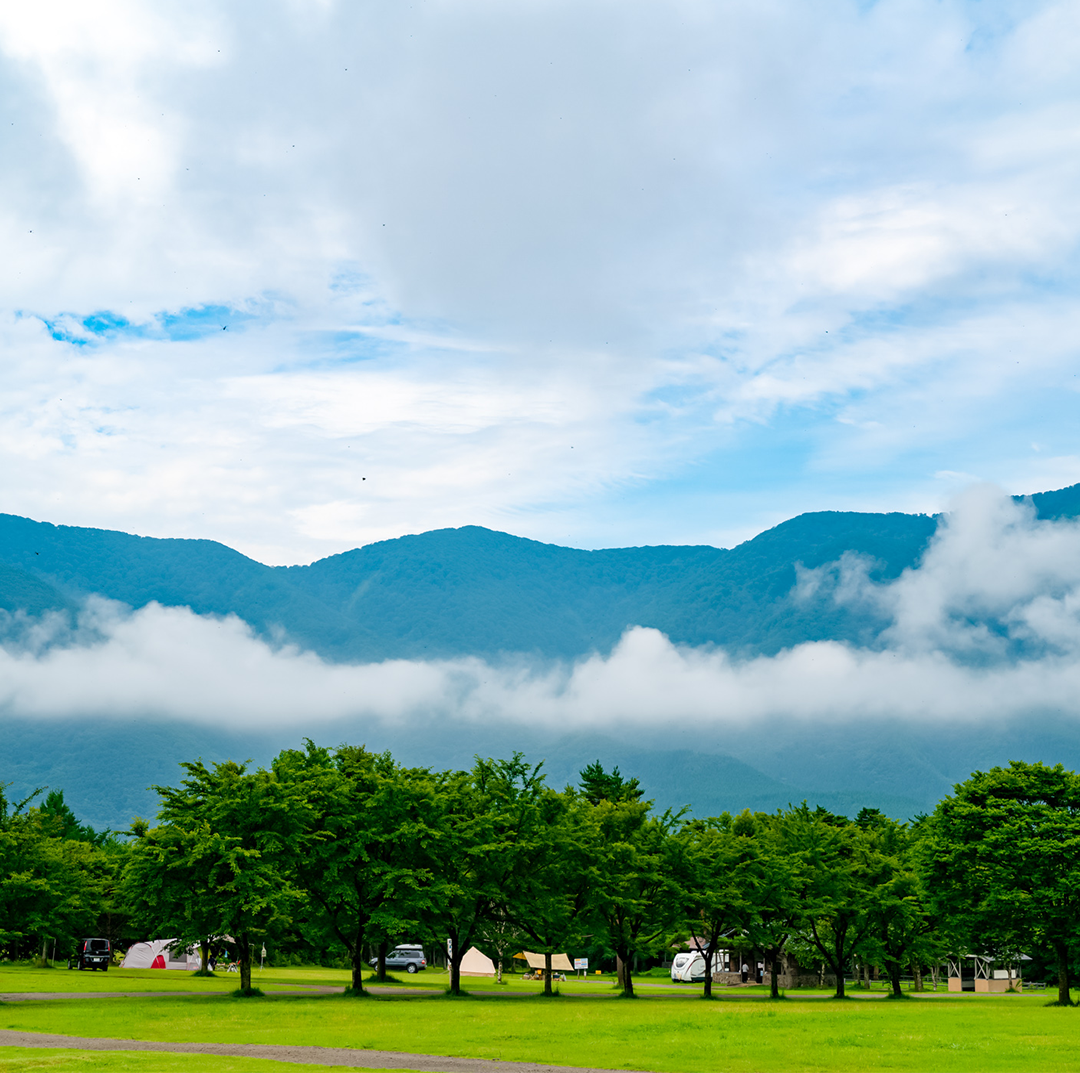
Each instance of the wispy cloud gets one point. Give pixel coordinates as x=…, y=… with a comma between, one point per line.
x=620, y=239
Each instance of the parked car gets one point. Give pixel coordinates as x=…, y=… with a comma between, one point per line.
x=91, y=954
x=404, y=956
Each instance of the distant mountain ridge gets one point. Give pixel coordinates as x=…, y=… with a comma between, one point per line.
x=474, y=591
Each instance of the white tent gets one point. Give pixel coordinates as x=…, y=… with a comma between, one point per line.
x=157, y=954
x=476, y=964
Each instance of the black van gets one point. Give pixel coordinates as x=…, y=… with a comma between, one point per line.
x=91, y=954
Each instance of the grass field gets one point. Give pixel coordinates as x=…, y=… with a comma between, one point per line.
x=668, y=1028
x=18, y=1059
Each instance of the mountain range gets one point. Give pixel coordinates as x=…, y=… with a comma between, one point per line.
x=475, y=592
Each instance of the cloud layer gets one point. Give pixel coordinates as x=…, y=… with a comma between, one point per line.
x=599, y=273
x=986, y=627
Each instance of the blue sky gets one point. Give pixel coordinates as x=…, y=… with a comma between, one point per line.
x=299, y=276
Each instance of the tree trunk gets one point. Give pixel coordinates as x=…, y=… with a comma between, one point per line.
x=774, y=983
x=357, y=984
x=204, y=954
x=243, y=950
x=547, y=973
x=838, y=967
x=380, y=971
x=498, y=975
x=627, y=979
x=620, y=971
x=708, y=953
x=1062, y=951
x=453, y=964
x=894, y=977
x=916, y=975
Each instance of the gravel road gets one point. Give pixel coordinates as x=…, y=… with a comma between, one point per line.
x=326, y=1056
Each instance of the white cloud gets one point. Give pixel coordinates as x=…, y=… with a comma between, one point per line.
x=987, y=626
x=479, y=234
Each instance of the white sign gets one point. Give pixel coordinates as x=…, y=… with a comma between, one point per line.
x=581, y=963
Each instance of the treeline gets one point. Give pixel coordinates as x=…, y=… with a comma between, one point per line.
x=347, y=849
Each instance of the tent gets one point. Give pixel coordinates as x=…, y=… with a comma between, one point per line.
x=157, y=954
x=476, y=964
x=559, y=962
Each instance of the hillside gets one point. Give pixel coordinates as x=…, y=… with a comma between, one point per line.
x=471, y=591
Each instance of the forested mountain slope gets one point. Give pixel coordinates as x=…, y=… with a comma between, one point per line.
x=472, y=591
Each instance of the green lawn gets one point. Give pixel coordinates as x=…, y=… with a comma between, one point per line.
x=668, y=1029
x=18, y=978
x=18, y=1059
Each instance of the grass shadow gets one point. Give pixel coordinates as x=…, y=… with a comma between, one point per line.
x=247, y=992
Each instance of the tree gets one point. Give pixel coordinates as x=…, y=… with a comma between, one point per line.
x=901, y=920
x=599, y=785
x=837, y=866
x=772, y=882
x=364, y=856
x=169, y=885
x=715, y=871
x=54, y=884
x=1004, y=861
x=236, y=833
x=634, y=900
x=549, y=894
x=483, y=823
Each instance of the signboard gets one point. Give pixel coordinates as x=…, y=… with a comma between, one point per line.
x=580, y=963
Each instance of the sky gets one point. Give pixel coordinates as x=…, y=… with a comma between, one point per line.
x=298, y=276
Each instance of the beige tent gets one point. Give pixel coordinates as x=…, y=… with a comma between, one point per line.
x=476, y=964
x=559, y=962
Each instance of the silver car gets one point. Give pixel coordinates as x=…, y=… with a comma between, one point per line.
x=404, y=956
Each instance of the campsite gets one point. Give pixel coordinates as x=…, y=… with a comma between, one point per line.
x=668, y=1028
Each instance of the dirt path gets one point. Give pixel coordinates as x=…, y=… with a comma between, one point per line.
x=326, y=1056
x=43, y=996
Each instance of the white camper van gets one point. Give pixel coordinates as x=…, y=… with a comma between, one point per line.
x=688, y=967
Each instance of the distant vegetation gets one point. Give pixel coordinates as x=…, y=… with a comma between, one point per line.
x=343, y=853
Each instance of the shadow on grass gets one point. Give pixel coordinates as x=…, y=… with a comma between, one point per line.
x=892, y=996
x=355, y=992
x=202, y=972
x=387, y=979
x=247, y=992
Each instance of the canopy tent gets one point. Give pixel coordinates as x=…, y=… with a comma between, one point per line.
x=476, y=964
x=157, y=954
x=559, y=962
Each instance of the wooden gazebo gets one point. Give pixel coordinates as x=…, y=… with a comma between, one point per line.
x=980, y=973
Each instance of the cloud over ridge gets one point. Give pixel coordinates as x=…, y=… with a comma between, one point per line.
x=986, y=626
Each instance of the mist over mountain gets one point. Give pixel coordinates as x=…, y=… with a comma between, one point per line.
x=472, y=591
x=463, y=641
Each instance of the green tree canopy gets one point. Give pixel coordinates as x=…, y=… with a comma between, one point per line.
x=236, y=833
x=1005, y=861
x=365, y=858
